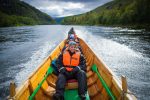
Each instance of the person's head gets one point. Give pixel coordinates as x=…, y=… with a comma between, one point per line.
x=72, y=46
x=71, y=31
x=71, y=37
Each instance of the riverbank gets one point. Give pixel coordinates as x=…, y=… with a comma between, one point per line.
x=123, y=13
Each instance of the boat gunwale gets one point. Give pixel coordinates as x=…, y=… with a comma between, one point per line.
x=114, y=79
x=21, y=88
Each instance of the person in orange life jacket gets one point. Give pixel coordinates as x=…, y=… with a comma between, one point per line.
x=71, y=32
x=66, y=45
x=71, y=38
x=78, y=45
x=72, y=65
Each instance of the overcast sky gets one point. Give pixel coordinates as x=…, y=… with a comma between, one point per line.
x=61, y=8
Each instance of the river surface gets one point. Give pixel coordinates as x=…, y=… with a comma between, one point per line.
x=125, y=51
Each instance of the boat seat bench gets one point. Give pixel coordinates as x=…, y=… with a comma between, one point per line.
x=71, y=91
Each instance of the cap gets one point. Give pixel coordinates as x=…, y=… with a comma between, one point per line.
x=72, y=43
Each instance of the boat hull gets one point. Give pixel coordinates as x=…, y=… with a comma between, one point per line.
x=96, y=89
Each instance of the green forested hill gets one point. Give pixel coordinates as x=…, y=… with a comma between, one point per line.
x=134, y=13
x=16, y=13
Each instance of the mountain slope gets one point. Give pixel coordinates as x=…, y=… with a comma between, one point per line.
x=117, y=12
x=58, y=19
x=16, y=12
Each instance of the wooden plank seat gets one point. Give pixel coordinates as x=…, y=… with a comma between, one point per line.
x=71, y=84
x=71, y=80
x=49, y=91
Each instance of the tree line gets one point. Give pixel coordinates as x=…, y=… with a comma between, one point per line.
x=118, y=12
x=16, y=13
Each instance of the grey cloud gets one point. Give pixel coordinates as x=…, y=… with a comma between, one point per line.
x=57, y=8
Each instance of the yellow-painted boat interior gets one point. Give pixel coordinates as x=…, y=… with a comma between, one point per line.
x=95, y=88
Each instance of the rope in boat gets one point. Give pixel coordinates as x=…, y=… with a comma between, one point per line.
x=49, y=71
x=94, y=68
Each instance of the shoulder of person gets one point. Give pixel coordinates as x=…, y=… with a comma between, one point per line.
x=81, y=55
x=60, y=55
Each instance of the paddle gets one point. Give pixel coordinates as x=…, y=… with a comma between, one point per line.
x=50, y=70
x=94, y=68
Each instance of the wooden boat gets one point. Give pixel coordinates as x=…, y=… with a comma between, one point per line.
x=99, y=82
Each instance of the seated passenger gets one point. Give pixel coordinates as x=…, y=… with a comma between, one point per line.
x=71, y=38
x=78, y=47
x=72, y=65
x=71, y=32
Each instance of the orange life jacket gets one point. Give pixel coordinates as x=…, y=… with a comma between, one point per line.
x=71, y=61
x=67, y=45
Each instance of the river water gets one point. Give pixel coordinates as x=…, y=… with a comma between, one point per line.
x=125, y=51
